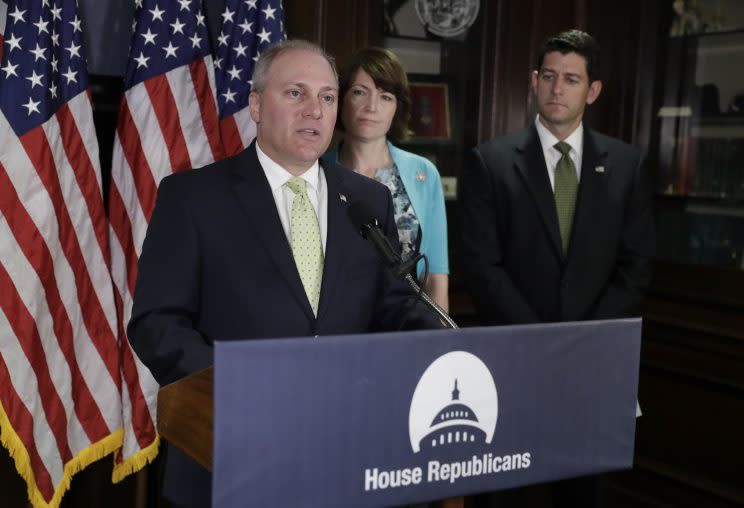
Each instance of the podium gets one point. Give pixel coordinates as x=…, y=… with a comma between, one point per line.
x=401, y=418
x=185, y=415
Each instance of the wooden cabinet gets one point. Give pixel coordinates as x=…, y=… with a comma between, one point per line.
x=688, y=443
x=700, y=185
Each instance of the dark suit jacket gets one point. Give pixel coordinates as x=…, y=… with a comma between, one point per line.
x=217, y=265
x=511, y=245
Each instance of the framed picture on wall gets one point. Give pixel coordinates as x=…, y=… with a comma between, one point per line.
x=400, y=20
x=429, y=18
x=430, y=110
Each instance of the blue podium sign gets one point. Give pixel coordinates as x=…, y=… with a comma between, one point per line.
x=395, y=418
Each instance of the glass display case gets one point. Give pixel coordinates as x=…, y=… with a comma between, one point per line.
x=441, y=61
x=700, y=185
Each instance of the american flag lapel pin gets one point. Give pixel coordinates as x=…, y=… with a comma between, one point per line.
x=342, y=197
x=599, y=169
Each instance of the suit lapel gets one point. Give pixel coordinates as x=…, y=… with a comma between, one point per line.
x=254, y=194
x=592, y=191
x=336, y=255
x=531, y=163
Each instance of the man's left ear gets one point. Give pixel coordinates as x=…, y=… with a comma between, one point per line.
x=254, y=106
x=594, y=88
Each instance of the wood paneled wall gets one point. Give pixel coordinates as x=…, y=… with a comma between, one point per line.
x=628, y=33
x=340, y=26
x=690, y=441
x=511, y=32
x=692, y=386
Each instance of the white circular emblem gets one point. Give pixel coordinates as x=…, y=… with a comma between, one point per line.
x=447, y=19
x=455, y=402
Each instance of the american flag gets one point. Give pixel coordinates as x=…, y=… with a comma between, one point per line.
x=71, y=391
x=167, y=122
x=248, y=27
x=3, y=19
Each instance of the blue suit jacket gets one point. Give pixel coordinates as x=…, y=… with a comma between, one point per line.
x=511, y=245
x=216, y=265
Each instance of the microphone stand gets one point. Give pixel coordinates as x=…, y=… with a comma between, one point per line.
x=403, y=271
x=370, y=230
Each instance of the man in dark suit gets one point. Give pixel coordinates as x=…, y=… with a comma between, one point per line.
x=260, y=245
x=556, y=219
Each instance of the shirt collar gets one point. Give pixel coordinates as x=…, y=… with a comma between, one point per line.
x=278, y=176
x=548, y=140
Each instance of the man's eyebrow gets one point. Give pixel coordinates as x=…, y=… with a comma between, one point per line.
x=298, y=84
x=576, y=75
x=305, y=86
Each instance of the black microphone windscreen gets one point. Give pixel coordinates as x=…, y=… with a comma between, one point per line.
x=361, y=215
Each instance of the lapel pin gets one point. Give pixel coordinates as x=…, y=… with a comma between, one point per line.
x=343, y=198
x=599, y=169
x=420, y=176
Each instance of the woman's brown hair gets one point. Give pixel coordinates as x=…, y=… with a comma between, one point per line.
x=388, y=74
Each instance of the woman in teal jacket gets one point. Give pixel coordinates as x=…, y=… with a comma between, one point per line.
x=374, y=109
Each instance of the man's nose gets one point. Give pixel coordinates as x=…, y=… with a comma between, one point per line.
x=557, y=88
x=313, y=108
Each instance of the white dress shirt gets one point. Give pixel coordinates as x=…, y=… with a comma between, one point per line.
x=552, y=155
x=317, y=192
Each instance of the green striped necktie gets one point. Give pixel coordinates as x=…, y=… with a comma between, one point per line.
x=566, y=187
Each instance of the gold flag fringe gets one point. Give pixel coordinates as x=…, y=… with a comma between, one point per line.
x=136, y=461
x=106, y=446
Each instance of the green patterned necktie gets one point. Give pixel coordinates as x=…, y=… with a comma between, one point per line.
x=306, y=243
x=566, y=187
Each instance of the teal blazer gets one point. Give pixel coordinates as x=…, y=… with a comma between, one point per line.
x=424, y=187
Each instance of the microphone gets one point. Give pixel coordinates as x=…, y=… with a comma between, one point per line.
x=363, y=219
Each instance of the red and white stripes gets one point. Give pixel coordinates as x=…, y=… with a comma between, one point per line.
x=167, y=123
x=238, y=131
x=3, y=20
x=67, y=398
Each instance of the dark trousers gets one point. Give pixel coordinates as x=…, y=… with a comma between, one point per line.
x=583, y=492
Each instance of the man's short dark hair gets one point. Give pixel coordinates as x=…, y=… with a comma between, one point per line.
x=573, y=41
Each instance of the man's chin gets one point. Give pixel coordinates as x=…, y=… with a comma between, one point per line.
x=315, y=150
x=557, y=120
x=309, y=156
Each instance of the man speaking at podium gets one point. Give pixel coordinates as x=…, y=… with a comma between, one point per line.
x=259, y=245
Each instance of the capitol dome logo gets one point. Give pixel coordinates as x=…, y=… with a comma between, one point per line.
x=455, y=403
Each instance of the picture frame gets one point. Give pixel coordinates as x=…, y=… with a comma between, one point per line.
x=429, y=19
x=430, y=109
x=400, y=20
